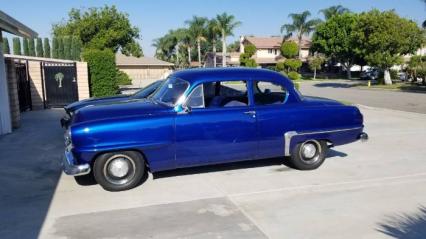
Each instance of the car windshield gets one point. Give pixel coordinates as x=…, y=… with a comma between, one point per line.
x=170, y=91
x=148, y=90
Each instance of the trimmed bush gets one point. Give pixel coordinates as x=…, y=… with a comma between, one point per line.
x=250, y=49
x=102, y=71
x=289, y=49
x=46, y=46
x=292, y=64
x=16, y=46
x=123, y=78
x=297, y=85
x=39, y=47
x=6, y=47
x=293, y=75
x=31, y=47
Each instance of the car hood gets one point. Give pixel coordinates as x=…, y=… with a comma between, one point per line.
x=97, y=101
x=120, y=109
x=311, y=100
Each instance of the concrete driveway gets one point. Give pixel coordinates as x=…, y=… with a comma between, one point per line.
x=363, y=190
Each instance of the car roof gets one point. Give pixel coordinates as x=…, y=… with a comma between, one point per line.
x=226, y=73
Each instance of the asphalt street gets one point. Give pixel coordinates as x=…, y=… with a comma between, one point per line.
x=345, y=90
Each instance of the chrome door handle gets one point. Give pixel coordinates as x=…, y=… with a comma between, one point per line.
x=250, y=112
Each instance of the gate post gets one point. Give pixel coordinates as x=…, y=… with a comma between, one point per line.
x=12, y=82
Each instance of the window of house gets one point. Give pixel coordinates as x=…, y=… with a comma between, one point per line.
x=219, y=94
x=270, y=51
x=275, y=51
x=268, y=93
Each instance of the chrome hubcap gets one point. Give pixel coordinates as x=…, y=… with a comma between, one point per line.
x=118, y=167
x=309, y=150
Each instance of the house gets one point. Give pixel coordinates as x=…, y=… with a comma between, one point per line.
x=268, y=48
x=9, y=102
x=232, y=59
x=143, y=70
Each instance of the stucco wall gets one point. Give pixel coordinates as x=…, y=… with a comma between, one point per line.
x=145, y=73
x=264, y=53
x=83, y=81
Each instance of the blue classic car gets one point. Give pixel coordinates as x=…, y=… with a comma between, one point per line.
x=140, y=94
x=206, y=116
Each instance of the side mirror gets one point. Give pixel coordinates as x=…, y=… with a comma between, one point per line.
x=186, y=109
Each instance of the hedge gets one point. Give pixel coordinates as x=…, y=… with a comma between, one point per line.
x=293, y=75
x=123, y=78
x=102, y=71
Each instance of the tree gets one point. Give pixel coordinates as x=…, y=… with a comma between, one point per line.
x=226, y=25
x=234, y=47
x=385, y=37
x=55, y=48
x=315, y=63
x=103, y=72
x=25, y=47
x=61, y=52
x=289, y=49
x=6, y=47
x=46, y=48
x=16, y=46
x=197, y=28
x=31, y=47
x=67, y=47
x=101, y=28
x=336, y=39
x=213, y=33
x=245, y=58
x=39, y=48
x=300, y=26
x=75, y=48
x=333, y=10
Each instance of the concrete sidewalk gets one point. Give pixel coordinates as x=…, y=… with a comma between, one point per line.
x=363, y=190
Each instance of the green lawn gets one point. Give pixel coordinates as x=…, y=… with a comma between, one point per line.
x=398, y=87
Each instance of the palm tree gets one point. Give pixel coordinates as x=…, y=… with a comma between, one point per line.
x=226, y=25
x=197, y=28
x=333, y=10
x=213, y=33
x=300, y=25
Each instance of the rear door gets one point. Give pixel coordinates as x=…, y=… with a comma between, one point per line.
x=273, y=117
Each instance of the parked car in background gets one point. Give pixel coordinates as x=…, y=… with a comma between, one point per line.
x=140, y=94
x=202, y=117
x=370, y=74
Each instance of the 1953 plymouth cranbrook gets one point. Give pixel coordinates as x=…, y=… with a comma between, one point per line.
x=206, y=116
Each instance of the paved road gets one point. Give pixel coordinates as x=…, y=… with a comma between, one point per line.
x=363, y=190
x=342, y=90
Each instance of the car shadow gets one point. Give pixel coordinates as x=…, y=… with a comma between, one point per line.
x=224, y=167
x=337, y=85
x=405, y=226
x=331, y=153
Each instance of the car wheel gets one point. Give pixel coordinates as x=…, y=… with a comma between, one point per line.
x=309, y=154
x=119, y=171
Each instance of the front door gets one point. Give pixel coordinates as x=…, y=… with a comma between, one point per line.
x=220, y=127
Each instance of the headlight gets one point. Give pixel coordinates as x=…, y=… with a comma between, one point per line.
x=67, y=137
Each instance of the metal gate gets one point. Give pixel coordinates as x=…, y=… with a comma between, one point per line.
x=24, y=88
x=60, y=81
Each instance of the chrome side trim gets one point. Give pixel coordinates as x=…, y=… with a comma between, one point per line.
x=290, y=134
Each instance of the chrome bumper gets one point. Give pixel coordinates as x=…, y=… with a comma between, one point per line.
x=363, y=137
x=70, y=168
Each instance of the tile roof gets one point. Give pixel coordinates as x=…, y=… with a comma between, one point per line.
x=274, y=42
x=123, y=60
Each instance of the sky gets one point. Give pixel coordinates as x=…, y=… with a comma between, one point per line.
x=154, y=18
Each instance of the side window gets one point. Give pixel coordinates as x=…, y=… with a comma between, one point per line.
x=268, y=93
x=230, y=94
x=196, y=98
